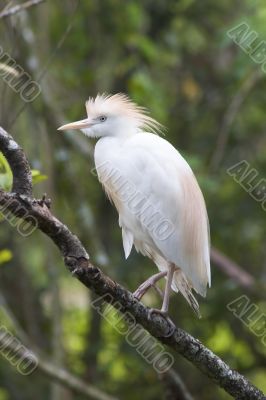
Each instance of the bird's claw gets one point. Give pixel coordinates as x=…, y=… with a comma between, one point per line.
x=165, y=315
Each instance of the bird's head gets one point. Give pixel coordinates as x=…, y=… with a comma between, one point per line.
x=113, y=115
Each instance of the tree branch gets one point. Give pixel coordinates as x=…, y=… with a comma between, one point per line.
x=22, y=181
x=77, y=261
x=230, y=115
x=19, y=8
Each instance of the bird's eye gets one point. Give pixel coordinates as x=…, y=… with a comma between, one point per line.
x=102, y=118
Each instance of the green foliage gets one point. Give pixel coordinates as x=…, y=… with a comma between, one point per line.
x=37, y=176
x=5, y=256
x=4, y=394
x=6, y=175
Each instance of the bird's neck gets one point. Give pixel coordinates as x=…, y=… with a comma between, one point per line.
x=126, y=132
x=109, y=145
x=120, y=135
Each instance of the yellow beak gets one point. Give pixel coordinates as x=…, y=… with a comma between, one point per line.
x=84, y=123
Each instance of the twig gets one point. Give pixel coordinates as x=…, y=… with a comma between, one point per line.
x=229, y=117
x=56, y=373
x=175, y=385
x=48, y=62
x=232, y=269
x=21, y=7
x=77, y=261
x=62, y=376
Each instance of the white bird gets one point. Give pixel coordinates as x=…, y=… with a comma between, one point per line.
x=160, y=205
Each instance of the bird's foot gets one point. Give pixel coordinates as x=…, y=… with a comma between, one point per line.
x=142, y=289
x=145, y=286
x=165, y=315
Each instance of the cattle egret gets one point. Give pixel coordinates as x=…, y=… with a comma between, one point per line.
x=160, y=205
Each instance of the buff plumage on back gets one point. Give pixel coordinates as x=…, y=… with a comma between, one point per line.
x=196, y=237
x=120, y=104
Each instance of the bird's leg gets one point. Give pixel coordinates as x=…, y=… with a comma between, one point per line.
x=142, y=289
x=167, y=291
x=158, y=290
x=165, y=305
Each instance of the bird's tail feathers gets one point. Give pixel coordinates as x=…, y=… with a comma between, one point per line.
x=181, y=284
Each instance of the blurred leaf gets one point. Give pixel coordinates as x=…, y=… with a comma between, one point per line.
x=4, y=394
x=37, y=176
x=5, y=256
x=6, y=178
